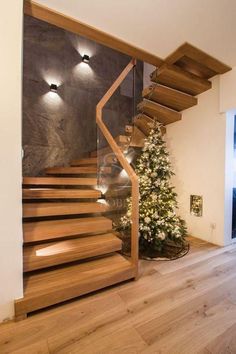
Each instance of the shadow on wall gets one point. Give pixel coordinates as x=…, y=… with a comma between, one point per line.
x=60, y=126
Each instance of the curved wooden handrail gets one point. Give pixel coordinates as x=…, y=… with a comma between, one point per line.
x=124, y=163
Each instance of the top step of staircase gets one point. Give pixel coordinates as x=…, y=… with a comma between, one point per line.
x=178, y=79
x=196, y=61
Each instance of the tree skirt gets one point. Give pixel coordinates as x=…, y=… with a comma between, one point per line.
x=170, y=250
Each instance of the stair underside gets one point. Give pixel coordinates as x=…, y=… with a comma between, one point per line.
x=55, y=253
x=60, y=193
x=168, y=97
x=54, y=286
x=32, y=210
x=178, y=79
x=146, y=124
x=59, y=181
x=161, y=113
x=196, y=61
x=54, y=229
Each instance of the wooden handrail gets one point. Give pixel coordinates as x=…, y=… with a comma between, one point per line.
x=124, y=163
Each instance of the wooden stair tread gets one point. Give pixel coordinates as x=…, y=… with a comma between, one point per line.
x=146, y=123
x=169, y=97
x=53, y=229
x=59, y=181
x=161, y=113
x=61, y=193
x=121, y=140
x=137, y=138
x=63, y=208
x=51, y=287
x=178, y=79
x=55, y=253
x=85, y=161
x=73, y=170
x=196, y=61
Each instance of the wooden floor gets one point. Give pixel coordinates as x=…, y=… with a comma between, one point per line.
x=184, y=306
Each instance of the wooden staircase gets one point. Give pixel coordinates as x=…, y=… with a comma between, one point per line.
x=70, y=247
x=184, y=74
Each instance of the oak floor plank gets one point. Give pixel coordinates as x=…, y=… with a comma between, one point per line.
x=122, y=341
x=224, y=343
x=35, y=348
x=169, y=330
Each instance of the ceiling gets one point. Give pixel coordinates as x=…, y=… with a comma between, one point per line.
x=160, y=26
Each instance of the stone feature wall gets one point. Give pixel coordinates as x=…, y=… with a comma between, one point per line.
x=59, y=127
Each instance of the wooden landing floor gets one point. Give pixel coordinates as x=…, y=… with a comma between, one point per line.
x=185, y=306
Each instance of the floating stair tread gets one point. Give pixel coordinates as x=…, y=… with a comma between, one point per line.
x=60, y=193
x=121, y=140
x=59, y=181
x=169, y=97
x=55, y=253
x=54, y=286
x=85, y=161
x=73, y=170
x=178, y=79
x=53, y=229
x=161, y=113
x=31, y=210
x=146, y=123
x=137, y=138
x=196, y=61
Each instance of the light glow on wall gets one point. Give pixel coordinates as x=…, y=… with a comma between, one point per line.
x=83, y=69
x=52, y=99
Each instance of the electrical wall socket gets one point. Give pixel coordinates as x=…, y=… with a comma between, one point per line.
x=213, y=225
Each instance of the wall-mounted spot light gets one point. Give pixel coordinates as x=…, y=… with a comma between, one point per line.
x=85, y=58
x=53, y=88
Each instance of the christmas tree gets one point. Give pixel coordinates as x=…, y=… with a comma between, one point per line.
x=158, y=222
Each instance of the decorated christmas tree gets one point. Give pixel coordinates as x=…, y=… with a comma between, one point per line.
x=158, y=223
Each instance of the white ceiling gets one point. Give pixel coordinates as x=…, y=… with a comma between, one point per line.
x=160, y=26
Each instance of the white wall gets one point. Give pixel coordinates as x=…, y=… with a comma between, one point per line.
x=228, y=91
x=147, y=70
x=160, y=26
x=10, y=156
x=197, y=148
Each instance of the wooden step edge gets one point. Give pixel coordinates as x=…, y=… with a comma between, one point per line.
x=89, y=161
x=58, y=181
x=34, y=210
x=185, y=74
x=147, y=90
x=147, y=126
x=60, y=252
x=40, y=231
x=36, y=194
x=156, y=105
x=199, y=57
x=74, y=289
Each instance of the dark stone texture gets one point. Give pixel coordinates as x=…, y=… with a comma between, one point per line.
x=59, y=127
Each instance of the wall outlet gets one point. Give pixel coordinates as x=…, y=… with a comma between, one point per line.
x=213, y=225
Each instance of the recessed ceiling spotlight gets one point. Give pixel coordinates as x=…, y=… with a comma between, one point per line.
x=85, y=58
